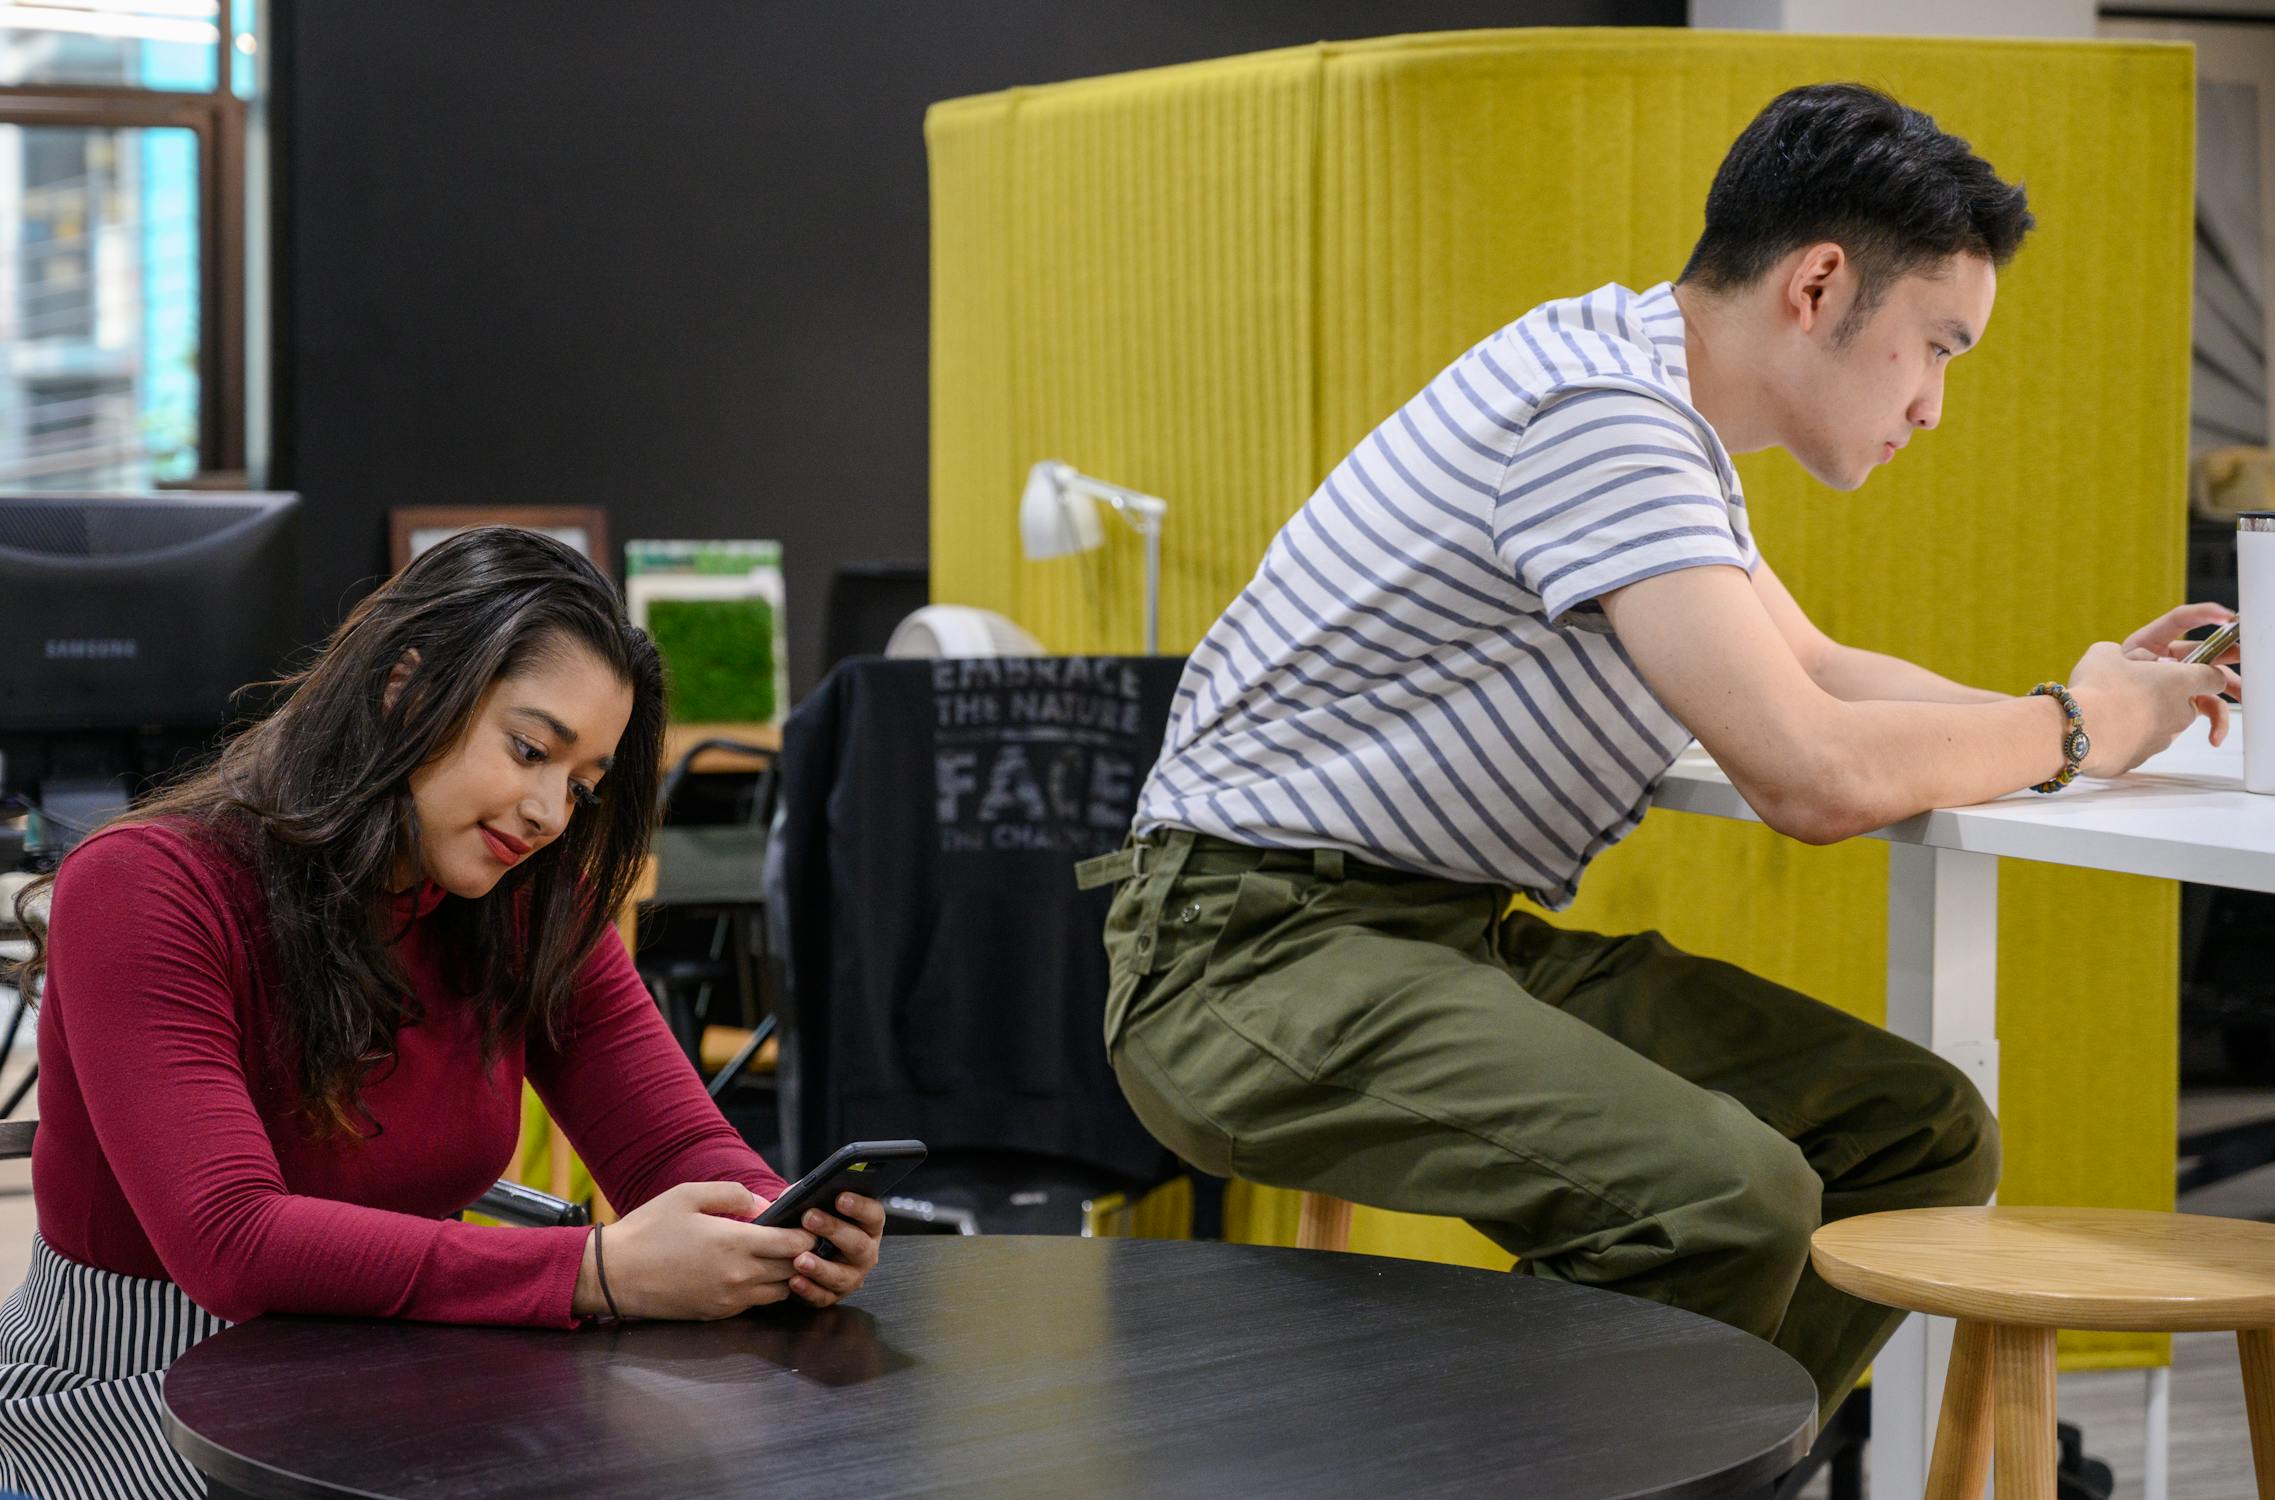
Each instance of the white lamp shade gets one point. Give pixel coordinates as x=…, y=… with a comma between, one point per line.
x=1055, y=520
x=960, y=630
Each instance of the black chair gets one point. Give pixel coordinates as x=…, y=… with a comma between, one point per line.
x=939, y=974
x=509, y=1201
x=23, y=1088
x=711, y=870
x=11, y=883
x=1004, y=1192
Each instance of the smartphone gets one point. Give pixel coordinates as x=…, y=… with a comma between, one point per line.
x=869, y=1168
x=2211, y=647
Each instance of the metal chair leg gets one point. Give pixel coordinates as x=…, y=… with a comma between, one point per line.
x=735, y=1065
x=24, y=1087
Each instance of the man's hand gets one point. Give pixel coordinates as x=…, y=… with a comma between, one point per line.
x=2162, y=635
x=1820, y=769
x=2161, y=640
x=2136, y=703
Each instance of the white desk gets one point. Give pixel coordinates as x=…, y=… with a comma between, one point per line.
x=2182, y=816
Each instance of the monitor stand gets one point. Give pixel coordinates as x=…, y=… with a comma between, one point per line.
x=75, y=781
x=71, y=807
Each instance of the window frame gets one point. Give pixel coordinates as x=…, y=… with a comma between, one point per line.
x=218, y=118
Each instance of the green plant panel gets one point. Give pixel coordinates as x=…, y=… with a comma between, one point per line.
x=721, y=656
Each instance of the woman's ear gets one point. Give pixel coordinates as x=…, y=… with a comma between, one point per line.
x=397, y=675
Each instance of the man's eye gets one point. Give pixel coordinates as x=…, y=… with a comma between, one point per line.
x=1940, y=350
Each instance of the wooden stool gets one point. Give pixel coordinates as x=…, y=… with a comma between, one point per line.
x=1323, y=1222
x=2012, y=1276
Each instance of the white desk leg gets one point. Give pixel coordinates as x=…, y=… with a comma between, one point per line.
x=1943, y=913
x=2156, y=1452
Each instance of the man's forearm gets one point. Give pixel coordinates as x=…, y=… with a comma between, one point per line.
x=1856, y=676
x=1888, y=760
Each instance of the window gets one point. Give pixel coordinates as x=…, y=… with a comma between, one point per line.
x=122, y=128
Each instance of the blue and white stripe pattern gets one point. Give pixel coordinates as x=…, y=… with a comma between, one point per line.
x=1419, y=675
x=82, y=1354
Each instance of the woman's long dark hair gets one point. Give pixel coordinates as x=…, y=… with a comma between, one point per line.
x=316, y=799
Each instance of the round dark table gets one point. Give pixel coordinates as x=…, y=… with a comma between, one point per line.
x=999, y=1365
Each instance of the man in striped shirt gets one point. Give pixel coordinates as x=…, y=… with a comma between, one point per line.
x=1460, y=671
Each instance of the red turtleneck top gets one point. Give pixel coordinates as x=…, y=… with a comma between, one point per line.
x=168, y=1148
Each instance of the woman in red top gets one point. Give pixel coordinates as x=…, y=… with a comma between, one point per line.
x=289, y=1005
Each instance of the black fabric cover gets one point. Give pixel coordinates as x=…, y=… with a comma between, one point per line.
x=945, y=979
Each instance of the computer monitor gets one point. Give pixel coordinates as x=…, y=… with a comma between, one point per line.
x=127, y=622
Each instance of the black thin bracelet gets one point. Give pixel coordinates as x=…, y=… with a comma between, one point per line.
x=600, y=1269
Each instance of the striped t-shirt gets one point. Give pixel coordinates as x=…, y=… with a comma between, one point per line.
x=1419, y=674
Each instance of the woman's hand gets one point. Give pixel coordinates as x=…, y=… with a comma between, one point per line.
x=692, y=1252
x=856, y=1236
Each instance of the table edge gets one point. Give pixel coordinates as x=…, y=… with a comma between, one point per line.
x=259, y=1480
x=1711, y=795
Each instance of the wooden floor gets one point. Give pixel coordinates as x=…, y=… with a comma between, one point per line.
x=2211, y=1457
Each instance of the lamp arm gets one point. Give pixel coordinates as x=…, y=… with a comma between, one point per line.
x=1142, y=511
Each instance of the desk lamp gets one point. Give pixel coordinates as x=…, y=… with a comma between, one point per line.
x=1058, y=515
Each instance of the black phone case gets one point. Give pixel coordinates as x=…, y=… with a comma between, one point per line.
x=887, y=1164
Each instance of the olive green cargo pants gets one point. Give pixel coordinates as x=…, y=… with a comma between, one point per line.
x=1613, y=1110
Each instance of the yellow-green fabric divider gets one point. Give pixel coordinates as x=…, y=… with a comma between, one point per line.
x=1131, y=261
x=532, y=1163
x=1210, y=281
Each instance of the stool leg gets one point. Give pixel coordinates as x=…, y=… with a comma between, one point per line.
x=1963, y=1433
x=1323, y=1222
x=2022, y=1405
x=2256, y=1348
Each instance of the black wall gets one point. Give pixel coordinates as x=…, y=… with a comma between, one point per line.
x=668, y=258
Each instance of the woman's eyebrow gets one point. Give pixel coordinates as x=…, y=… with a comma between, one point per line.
x=561, y=732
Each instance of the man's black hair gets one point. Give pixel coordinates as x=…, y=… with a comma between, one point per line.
x=1846, y=163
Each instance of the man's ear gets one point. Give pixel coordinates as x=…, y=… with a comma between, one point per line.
x=397, y=675
x=1806, y=286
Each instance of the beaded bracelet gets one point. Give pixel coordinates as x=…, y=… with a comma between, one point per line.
x=2075, y=745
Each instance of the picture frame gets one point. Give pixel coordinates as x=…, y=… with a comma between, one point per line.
x=412, y=529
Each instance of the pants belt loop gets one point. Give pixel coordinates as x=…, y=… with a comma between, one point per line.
x=1327, y=864
x=1125, y=863
x=1161, y=872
